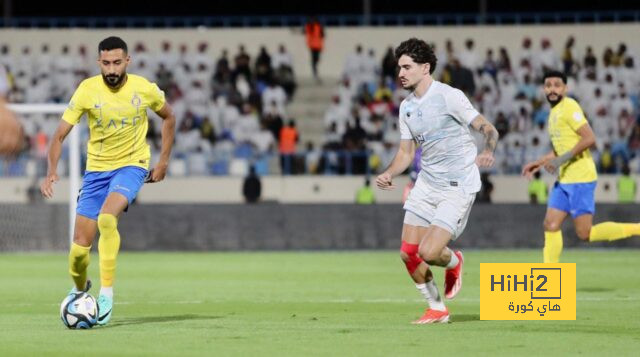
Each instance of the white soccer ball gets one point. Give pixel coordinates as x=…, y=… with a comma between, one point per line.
x=79, y=311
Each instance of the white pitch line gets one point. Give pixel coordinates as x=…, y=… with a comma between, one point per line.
x=329, y=301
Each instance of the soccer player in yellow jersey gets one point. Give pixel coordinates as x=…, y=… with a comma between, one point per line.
x=118, y=157
x=573, y=193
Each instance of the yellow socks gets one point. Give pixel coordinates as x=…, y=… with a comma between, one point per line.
x=78, y=263
x=108, y=247
x=552, y=247
x=608, y=231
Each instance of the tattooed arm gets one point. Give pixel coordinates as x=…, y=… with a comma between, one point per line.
x=481, y=124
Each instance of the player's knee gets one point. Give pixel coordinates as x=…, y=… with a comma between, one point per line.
x=404, y=256
x=107, y=222
x=551, y=225
x=82, y=239
x=409, y=255
x=583, y=233
x=429, y=256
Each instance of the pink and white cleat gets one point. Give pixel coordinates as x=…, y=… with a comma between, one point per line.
x=453, y=278
x=432, y=316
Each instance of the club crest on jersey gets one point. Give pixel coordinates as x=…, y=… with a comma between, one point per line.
x=408, y=110
x=136, y=101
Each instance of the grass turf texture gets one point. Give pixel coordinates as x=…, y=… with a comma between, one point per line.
x=306, y=303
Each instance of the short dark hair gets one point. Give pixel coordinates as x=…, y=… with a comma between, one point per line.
x=555, y=74
x=112, y=43
x=419, y=51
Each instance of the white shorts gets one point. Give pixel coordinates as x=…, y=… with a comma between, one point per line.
x=448, y=209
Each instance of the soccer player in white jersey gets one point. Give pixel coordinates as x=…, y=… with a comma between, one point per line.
x=437, y=117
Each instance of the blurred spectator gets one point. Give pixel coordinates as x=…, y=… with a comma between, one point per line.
x=484, y=195
x=389, y=65
x=568, y=58
x=314, y=32
x=468, y=57
x=288, y=139
x=365, y=195
x=312, y=159
x=504, y=61
x=252, y=187
x=526, y=52
x=282, y=64
x=590, y=61
x=626, y=186
x=409, y=186
x=242, y=63
x=263, y=70
x=274, y=99
x=538, y=190
x=461, y=78
x=547, y=58
x=354, y=66
x=605, y=164
x=490, y=66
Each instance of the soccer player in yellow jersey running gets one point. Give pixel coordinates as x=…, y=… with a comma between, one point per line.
x=118, y=157
x=573, y=193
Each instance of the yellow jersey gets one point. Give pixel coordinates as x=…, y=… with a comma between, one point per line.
x=117, y=120
x=564, y=121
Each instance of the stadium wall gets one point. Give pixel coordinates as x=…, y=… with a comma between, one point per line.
x=340, y=41
x=204, y=227
x=287, y=189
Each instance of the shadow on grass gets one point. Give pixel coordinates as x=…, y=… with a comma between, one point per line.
x=465, y=317
x=158, y=319
x=594, y=289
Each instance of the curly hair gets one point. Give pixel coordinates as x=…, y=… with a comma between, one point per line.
x=419, y=51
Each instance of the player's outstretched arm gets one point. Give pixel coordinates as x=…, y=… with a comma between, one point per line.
x=481, y=124
x=534, y=166
x=168, y=132
x=587, y=140
x=53, y=156
x=11, y=135
x=402, y=160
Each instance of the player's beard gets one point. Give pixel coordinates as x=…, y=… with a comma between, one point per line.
x=554, y=102
x=113, y=80
x=408, y=85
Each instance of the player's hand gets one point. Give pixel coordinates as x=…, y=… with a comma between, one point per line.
x=531, y=168
x=157, y=173
x=46, y=187
x=485, y=159
x=383, y=181
x=551, y=166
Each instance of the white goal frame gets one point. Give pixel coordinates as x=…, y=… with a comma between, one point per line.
x=74, y=153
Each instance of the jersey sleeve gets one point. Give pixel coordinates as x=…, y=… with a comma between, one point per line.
x=575, y=117
x=405, y=133
x=460, y=106
x=77, y=106
x=156, y=97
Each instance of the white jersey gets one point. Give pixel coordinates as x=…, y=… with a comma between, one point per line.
x=439, y=123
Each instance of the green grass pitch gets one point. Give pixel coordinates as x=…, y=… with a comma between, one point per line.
x=307, y=304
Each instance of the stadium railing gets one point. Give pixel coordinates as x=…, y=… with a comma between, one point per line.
x=498, y=18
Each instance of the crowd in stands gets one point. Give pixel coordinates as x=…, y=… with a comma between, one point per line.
x=506, y=89
x=227, y=107
x=232, y=108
